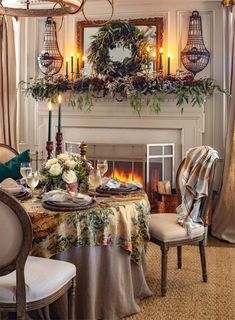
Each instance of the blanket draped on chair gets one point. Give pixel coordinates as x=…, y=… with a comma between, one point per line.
x=194, y=185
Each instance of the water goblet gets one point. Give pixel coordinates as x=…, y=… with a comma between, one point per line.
x=25, y=169
x=94, y=180
x=32, y=180
x=102, y=166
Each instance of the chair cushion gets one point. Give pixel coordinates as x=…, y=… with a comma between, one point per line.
x=11, y=169
x=43, y=277
x=163, y=226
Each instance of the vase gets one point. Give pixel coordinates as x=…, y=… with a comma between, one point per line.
x=73, y=187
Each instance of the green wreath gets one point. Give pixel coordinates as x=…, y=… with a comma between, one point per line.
x=118, y=34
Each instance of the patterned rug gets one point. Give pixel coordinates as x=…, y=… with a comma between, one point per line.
x=188, y=298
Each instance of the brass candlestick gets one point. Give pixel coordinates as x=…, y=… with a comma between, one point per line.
x=59, y=139
x=49, y=148
x=83, y=150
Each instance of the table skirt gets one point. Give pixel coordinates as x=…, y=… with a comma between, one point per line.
x=109, y=284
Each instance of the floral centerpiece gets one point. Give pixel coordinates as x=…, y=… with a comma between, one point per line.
x=66, y=171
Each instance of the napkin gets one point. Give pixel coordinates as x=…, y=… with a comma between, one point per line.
x=11, y=186
x=61, y=196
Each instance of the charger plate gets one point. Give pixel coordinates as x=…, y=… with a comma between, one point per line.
x=118, y=191
x=52, y=206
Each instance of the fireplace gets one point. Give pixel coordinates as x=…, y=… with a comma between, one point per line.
x=145, y=163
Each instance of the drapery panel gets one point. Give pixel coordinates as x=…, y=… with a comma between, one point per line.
x=223, y=220
x=7, y=82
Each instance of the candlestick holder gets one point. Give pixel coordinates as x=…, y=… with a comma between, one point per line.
x=59, y=139
x=83, y=150
x=49, y=148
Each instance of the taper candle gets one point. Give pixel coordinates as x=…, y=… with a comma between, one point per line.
x=169, y=64
x=77, y=71
x=59, y=113
x=67, y=68
x=72, y=62
x=154, y=61
x=160, y=60
x=148, y=60
x=49, y=121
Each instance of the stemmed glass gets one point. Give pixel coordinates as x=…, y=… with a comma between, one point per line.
x=25, y=169
x=32, y=180
x=102, y=166
x=94, y=180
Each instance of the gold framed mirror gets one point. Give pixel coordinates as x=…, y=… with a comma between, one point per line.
x=85, y=31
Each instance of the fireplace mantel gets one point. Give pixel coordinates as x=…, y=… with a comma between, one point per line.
x=110, y=121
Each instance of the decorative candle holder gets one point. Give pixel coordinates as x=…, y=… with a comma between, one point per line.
x=59, y=139
x=49, y=148
x=83, y=149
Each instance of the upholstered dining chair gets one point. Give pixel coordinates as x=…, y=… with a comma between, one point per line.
x=26, y=282
x=166, y=232
x=6, y=153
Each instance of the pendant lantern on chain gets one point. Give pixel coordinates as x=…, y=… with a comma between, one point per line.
x=195, y=56
x=50, y=59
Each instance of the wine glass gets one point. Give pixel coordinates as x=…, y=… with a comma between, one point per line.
x=25, y=169
x=102, y=166
x=94, y=179
x=32, y=180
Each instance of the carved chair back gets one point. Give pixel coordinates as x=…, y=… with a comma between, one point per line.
x=6, y=153
x=15, y=242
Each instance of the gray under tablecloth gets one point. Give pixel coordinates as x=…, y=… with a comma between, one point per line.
x=109, y=284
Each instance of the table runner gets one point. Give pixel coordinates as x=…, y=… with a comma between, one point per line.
x=121, y=221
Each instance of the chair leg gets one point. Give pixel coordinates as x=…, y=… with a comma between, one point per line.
x=179, y=257
x=203, y=260
x=164, y=249
x=46, y=312
x=71, y=299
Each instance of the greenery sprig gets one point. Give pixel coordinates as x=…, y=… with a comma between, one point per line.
x=140, y=90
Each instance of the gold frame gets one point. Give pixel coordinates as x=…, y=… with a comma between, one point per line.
x=158, y=22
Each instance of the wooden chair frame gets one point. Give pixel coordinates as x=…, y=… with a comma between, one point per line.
x=18, y=264
x=5, y=146
x=201, y=240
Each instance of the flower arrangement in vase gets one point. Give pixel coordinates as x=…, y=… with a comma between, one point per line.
x=66, y=171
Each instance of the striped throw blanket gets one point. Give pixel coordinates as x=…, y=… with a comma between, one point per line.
x=194, y=185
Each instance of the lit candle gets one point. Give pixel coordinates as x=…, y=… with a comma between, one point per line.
x=77, y=64
x=160, y=61
x=83, y=60
x=169, y=64
x=67, y=68
x=154, y=61
x=59, y=113
x=49, y=121
x=72, y=62
x=148, y=60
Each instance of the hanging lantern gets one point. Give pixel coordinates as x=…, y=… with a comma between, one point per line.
x=50, y=60
x=195, y=56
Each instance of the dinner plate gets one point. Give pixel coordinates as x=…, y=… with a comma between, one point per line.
x=67, y=206
x=121, y=190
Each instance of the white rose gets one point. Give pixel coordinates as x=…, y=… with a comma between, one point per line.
x=63, y=156
x=50, y=162
x=69, y=176
x=71, y=164
x=55, y=169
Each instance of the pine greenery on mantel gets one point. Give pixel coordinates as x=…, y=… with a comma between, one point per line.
x=140, y=90
x=125, y=80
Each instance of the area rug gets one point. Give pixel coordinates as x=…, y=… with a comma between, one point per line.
x=188, y=297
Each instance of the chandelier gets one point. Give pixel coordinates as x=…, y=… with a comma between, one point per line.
x=45, y=8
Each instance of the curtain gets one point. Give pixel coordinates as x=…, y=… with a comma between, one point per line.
x=223, y=219
x=7, y=82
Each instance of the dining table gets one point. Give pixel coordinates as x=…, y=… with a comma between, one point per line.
x=107, y=243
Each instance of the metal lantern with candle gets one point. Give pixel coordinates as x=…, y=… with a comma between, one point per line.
x=195, y=57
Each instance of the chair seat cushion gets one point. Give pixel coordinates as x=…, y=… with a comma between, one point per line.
x=163, y=226
x=43, y=277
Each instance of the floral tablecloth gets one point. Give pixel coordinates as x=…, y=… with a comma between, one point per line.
x=121, y=221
